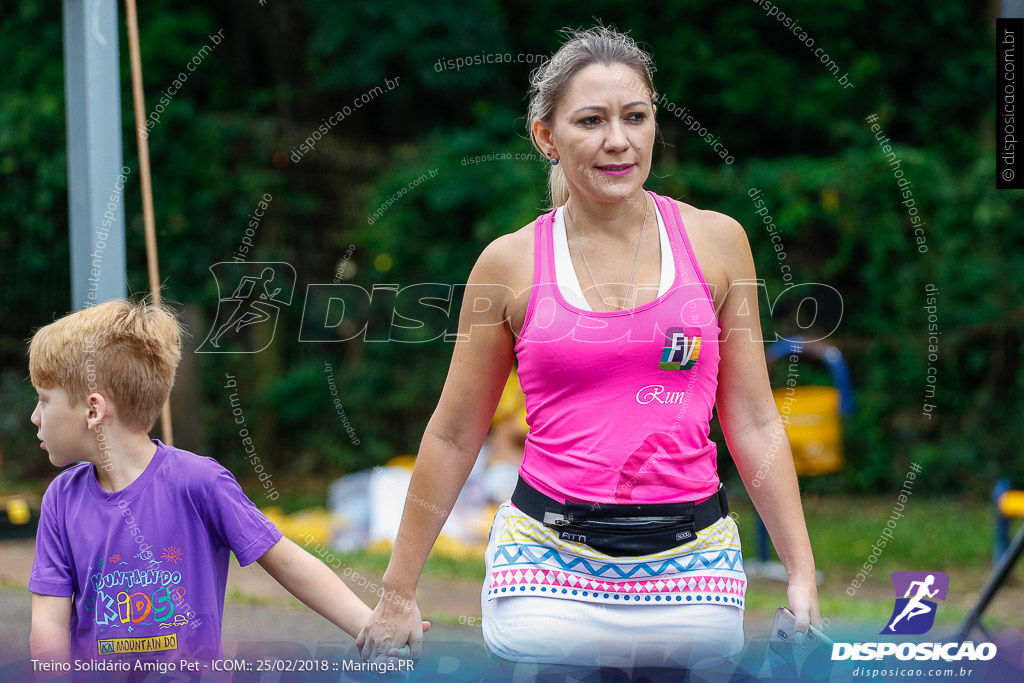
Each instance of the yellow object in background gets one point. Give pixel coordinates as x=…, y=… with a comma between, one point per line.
x=313, y=525
x=457, y=550
x=1011, y=504
x=18, y=511
x=512, y=403
x=301, y=525
x=445, y=546
x=406, y=461
x=812, y=424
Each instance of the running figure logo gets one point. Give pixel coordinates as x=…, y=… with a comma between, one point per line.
x=914, y=613
x=682, y=346
x=252, y=302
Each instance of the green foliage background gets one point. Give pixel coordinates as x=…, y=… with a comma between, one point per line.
x=795, y=133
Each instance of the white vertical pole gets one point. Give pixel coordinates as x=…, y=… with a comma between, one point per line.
x=96, y=194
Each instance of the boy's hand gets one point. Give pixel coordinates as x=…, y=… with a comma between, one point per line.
x=405, y=651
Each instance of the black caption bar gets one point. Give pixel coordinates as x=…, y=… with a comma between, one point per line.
x=1009, y=83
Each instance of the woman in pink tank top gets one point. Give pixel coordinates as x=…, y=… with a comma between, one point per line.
x=617, y=542
x=650, y=372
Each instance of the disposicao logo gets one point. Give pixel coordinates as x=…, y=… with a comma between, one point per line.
x=252, y=302
x=914, y=614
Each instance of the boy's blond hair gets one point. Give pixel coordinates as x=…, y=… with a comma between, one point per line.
x=125, y=350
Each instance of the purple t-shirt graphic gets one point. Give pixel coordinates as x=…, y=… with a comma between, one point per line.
x=146, y=566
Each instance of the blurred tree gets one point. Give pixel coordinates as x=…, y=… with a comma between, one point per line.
x=229, y=134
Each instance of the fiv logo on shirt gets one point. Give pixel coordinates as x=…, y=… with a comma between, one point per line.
x=682, y=346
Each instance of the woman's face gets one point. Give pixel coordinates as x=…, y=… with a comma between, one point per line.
x=602, y=133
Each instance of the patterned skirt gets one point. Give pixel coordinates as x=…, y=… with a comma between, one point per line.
x=525, y=557
x=558, y=602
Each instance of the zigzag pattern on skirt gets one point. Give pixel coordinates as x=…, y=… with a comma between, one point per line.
x=526, y=558
x=510, y=554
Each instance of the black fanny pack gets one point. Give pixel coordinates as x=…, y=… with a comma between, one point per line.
x=622, y=530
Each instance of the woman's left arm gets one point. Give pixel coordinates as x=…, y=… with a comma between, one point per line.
x=753, y=429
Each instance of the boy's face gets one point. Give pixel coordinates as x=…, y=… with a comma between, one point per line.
x=63, y=429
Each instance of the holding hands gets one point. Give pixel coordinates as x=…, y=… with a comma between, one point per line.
x=394, y=629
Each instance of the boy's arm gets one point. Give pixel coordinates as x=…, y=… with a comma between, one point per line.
x=313, y=582
x=242, y=527
x=50, y=639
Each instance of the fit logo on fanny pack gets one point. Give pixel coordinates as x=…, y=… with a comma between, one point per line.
x=682, y=346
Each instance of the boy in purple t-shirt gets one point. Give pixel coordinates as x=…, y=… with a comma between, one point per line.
x=133, y=543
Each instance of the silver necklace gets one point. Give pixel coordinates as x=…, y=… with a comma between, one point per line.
x=572, y=224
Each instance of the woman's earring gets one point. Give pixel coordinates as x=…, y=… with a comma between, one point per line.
x=554, y=162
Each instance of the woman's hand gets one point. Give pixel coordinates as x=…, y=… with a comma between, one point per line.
x=394, y=629
x=803, y=602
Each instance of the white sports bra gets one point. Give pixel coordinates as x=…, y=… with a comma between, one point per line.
x=569, y=282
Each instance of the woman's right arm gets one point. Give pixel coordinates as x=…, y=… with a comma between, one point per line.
x=480, y=365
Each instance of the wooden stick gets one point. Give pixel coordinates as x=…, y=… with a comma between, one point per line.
x=149, y=222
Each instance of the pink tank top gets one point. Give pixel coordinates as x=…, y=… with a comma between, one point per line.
x=619, y=402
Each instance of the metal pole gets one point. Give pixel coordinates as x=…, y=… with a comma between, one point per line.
x=95, y=178
x=998, y=577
